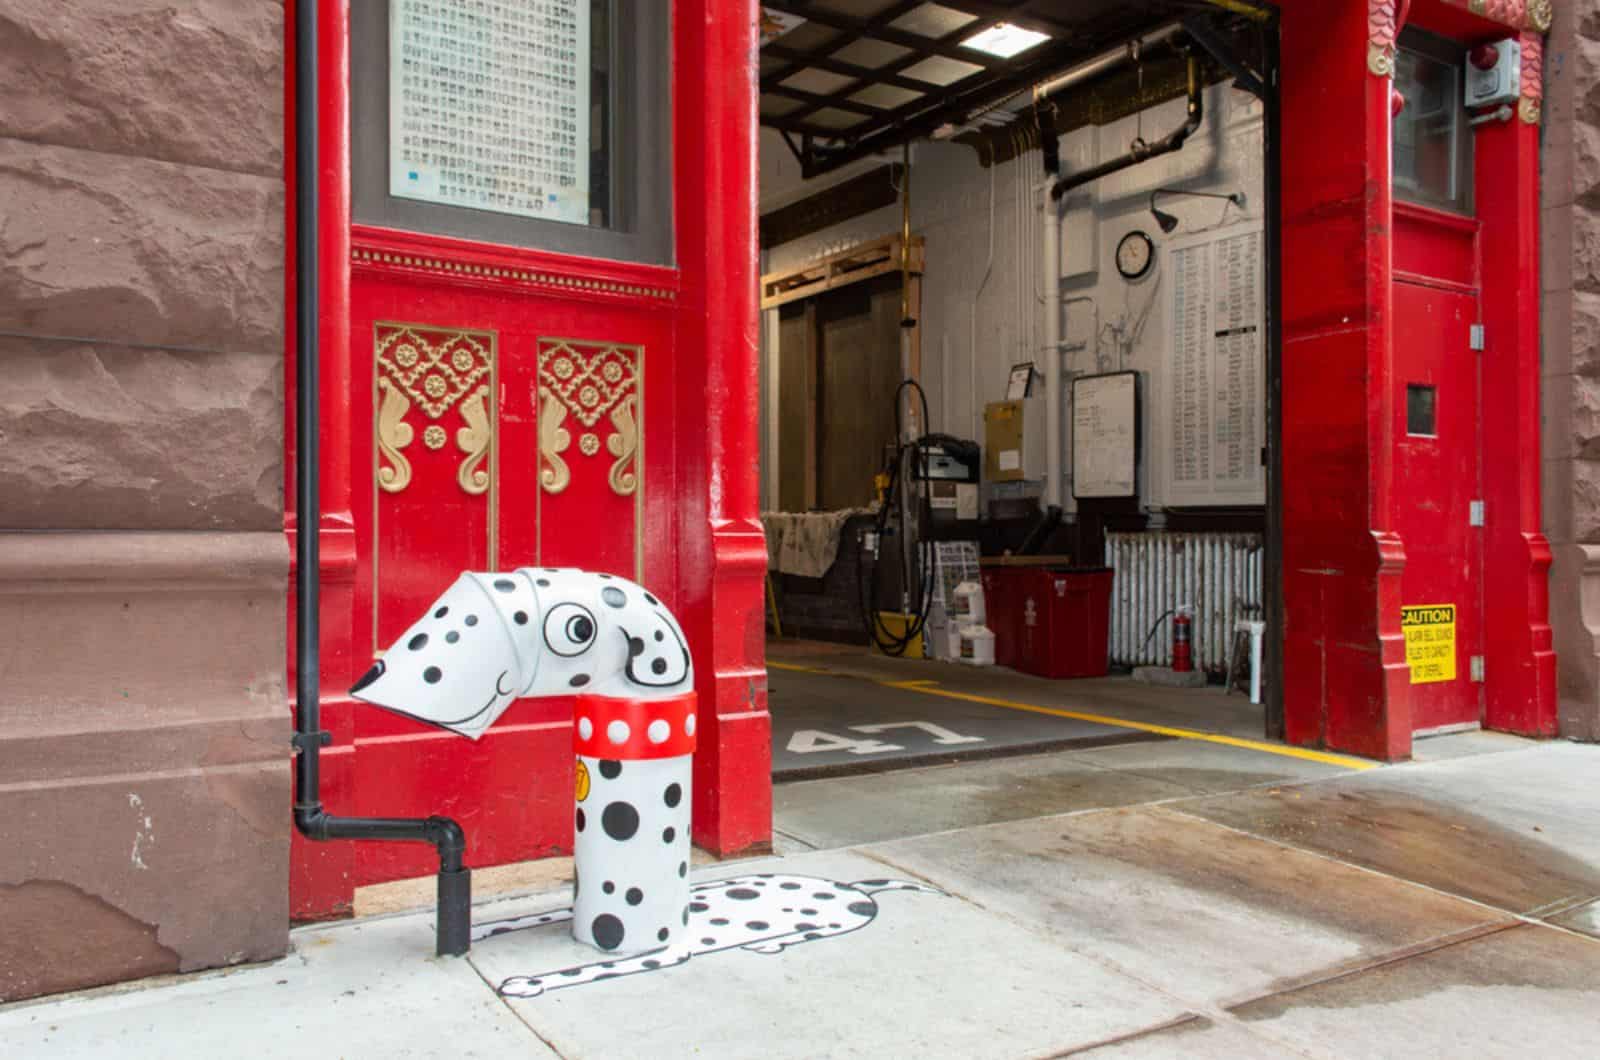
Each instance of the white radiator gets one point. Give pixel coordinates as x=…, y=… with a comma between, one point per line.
x=1217, y=575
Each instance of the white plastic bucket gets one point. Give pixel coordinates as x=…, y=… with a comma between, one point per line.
x=951, y=647
x=977, y=646
x=968, y=608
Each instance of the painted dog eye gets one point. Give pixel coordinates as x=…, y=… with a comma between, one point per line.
x=569, y=629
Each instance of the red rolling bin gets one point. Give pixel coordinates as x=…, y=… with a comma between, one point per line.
x=1002, y=599
x=1063, y=622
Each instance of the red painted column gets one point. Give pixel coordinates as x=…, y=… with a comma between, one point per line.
x=714, y=135
x=1345, y=679
x=1519, y=662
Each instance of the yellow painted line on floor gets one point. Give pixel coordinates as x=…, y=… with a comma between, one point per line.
x=793, y=668
x=1283, y=750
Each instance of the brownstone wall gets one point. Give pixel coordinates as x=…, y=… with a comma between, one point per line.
x=144, y=784
x=1571, y=326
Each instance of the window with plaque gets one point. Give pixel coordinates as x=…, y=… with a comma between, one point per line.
x=539, y=123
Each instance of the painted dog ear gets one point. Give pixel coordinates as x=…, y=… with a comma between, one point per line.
x=459, y=666
x=657, y=654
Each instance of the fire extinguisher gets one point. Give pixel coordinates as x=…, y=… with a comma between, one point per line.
x=1182, y=642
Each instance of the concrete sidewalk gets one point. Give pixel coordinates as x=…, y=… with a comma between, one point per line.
x=1167, y=899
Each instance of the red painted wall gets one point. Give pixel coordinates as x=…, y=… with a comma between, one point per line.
x=1345, y=681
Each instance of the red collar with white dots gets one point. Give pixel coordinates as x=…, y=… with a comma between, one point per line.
x=634, y=729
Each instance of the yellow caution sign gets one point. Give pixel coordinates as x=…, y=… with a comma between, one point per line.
x=1430, y=631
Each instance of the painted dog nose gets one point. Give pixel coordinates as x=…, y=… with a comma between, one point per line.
x=368, y=677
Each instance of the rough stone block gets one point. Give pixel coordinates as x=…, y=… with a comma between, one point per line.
x=1585, y=148
x=1585, y=325
x=123, y=877
x=144, y=770
x=126, y=250
x=1579, y=242
x=107, y=437
x=1583, y=419
x=1586, y=502
x=198, y=82
x=125, y=632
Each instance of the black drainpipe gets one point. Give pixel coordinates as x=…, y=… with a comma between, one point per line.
x=1141, y=152
x=455, y=881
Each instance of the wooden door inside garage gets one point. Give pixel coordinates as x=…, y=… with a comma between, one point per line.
x=839, y=365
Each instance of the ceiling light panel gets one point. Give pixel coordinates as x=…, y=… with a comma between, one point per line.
x=817, y=82
x=870, y=53
x=933, y=20
x=886, y=97
x=1003, y=40
x=937, y=70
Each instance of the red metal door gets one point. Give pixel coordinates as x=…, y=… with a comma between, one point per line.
x=506, y=422
x=1437, y=460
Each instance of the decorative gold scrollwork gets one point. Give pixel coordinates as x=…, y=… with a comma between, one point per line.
x=435, y=369
x=589, y=382
x=474, y=439
x=554, y=475
x=394, y=434
x=1541, y=15
x=623, y=445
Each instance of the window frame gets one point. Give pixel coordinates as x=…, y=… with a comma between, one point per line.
x=639, y=148
x=1448, y=53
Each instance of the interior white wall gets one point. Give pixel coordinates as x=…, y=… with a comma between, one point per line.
x=970, y=341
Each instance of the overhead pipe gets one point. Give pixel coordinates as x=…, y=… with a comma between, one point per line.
x=1141, y=151
x=310, y=818
x=1104, y=63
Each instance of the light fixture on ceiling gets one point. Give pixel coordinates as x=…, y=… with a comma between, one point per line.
x=1169, y=223
x=1003, y=40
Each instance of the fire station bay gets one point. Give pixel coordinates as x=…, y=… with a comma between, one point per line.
x=973, y=382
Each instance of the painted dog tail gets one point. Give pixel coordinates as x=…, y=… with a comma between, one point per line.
x=879, y=886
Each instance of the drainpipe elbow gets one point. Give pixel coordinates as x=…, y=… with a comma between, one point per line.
x=311, y=820
x=448, y=836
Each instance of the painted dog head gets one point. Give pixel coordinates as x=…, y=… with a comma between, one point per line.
x=493, y=638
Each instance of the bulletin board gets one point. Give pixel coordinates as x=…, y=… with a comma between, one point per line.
x=1105, y=435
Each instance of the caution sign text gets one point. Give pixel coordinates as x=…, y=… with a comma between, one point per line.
x=1430, y=642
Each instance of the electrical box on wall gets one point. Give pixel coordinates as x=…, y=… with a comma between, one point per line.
x=1013, y=441
x=1494, y=73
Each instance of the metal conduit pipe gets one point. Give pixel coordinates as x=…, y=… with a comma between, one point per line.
x=1052, y=351
x=454, y=932
x=1141, y=151
x=1103, y=63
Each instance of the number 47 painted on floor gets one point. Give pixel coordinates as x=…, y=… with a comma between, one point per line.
x=810, y=741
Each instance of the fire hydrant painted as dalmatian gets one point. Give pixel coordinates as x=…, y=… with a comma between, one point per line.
x=763, y=913
x=492, y=638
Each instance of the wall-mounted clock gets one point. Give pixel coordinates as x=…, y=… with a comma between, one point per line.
x=1135, y=254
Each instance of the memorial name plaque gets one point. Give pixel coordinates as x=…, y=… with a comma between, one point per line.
x=1213, y=395
x=489, y=105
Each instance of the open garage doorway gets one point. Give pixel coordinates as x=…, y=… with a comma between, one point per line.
x=1162, y=330
x=1067, y=380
